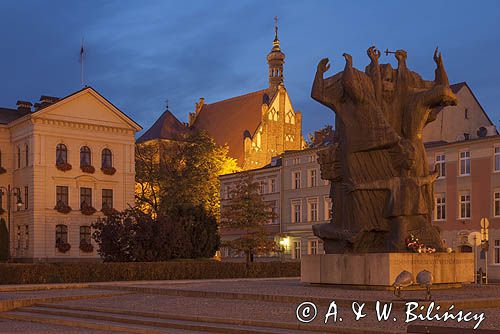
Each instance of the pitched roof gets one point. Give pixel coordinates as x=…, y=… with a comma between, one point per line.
x=456, y=87
x=165, y=127
x=230, y=121
x=11, y=115
x=8, y=115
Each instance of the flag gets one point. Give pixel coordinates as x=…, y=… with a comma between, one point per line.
x=81, y=53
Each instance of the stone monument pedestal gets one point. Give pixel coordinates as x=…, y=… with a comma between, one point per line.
x=381, y=269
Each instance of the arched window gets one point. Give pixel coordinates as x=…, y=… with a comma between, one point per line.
x=273, y=115
x=85, y=156
x=290, y=117
x=61, y=154
x=61, y=234
x=107, y=158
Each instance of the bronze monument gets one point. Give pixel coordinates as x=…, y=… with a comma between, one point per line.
x=381, y=185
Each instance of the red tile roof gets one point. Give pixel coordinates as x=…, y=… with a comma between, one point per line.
x=229, y=121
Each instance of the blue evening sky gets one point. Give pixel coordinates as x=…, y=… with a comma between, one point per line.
x=140, y=53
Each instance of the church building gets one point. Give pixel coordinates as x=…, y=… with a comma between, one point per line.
x=256, y=126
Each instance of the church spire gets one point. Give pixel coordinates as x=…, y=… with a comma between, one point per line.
x=275, y=60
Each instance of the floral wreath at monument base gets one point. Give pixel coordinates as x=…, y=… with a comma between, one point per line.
x=413, y=244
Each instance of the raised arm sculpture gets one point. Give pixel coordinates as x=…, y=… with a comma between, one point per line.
x=381, y=184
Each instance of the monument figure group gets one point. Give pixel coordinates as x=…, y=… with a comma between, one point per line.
x=381, y=183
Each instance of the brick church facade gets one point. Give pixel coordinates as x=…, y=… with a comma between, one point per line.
x=255, y=126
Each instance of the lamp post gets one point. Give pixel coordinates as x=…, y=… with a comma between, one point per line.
x=19, y=203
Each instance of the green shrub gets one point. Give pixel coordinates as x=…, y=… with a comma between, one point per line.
x=17, y=273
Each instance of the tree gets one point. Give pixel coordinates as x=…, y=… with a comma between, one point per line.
x=4, y=241
x=246, y=211
x=322, y=137
x=172, y=173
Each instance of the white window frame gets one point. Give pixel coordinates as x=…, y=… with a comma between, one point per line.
x=272, y=185
x=296, y=250
x=327, y=210
x=440, y=165
x=496, y=252
x=463, y=201
x=496, y=200
x=262, y=187
x=496, y=159
x=464, y=165
x=440, y=202
x=312, y=247
x=296, y=181
x=312, y=178
x=311, y=218
x=294, y=204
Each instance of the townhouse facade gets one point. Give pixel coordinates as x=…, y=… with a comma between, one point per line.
x=65, y=163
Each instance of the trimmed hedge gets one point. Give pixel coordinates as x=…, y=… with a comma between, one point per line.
x=18, y=273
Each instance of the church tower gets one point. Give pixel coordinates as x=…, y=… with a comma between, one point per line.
x=275, y=60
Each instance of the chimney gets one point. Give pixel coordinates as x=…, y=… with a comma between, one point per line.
x=45, y=101
x=24, y=106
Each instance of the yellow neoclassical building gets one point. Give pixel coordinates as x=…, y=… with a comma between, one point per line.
x=64, y=162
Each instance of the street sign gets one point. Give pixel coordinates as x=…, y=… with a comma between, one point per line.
x=474, y=238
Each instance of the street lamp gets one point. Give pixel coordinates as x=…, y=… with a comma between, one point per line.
x=19, y=203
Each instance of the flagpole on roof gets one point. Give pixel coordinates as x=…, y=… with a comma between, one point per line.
x=81, y=64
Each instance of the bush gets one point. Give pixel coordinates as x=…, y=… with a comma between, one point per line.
x=18, y=273
x=187, y=232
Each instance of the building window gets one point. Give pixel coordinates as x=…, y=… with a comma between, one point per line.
x=107, y=158
x=312, y=248
x=26, y=154
x=296, y=211
x=26, y=236
x=26, y=197
x=85, y=197
x=465, y=205
x=61, y=234
x=289, y=138
x=262, y=187
x=313, y=178
x=290, y=117
x=440, y=206
x=296, y=161
x=496, y=250
x=61, y=154
x=465, y=163
x=18, y=157
x=466, y=113
x=296, y=180
x=85, y=234
x=273, y=115
x=62, y=195
x=497, y=159
x=328, y=208
x=440, y=165
x=296, y=250
x=496, y=203
x=85, y=156
x=107, y=198
x=312, y=210
x=272, y=185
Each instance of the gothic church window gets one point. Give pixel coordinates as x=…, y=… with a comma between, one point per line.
x=273, y=115
x=290, y=117
x=289, y=138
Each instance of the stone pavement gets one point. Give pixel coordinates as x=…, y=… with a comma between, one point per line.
x=226, y=306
